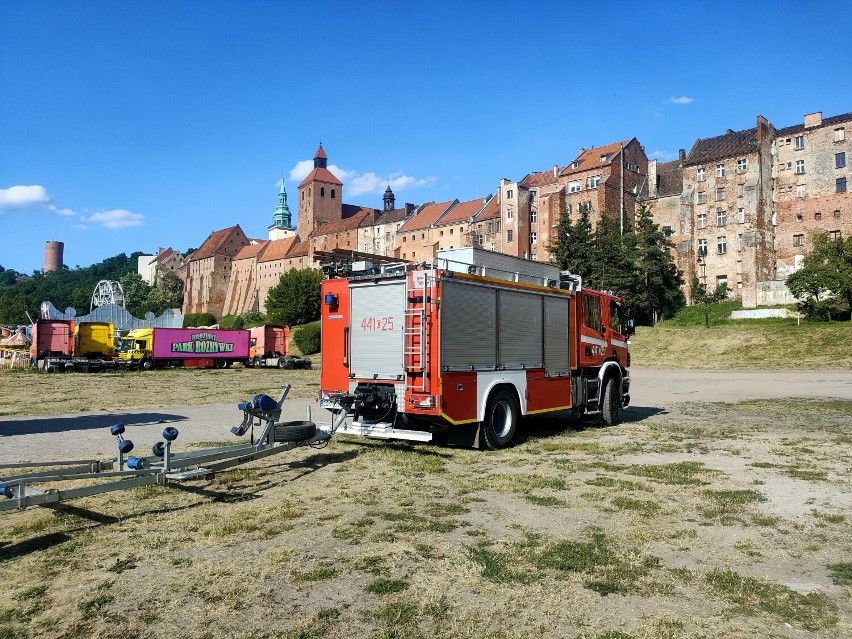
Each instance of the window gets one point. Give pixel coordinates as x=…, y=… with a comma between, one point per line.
x=800, y=191
x=721, y=217
x=789, y=166
x=840, y=160
x=739, y=266
x=702, y=198
x=702, y=221
x=509, y=235
x=575, y=164
x=841, y=185
x=322, y=191
x=702, y=248
x=720, y=193
x=332, y=194
x=740, y=215
x=799, y=239
x=817, y=216
x=509, y=214
x=499, y=226
x=533, y=217
x=837, y=214
x=721, y=280
x=534, y=257
x=628, y=166
x=481, y=240
x=839, y=134
x=720, y=170
x=800, y=141
x=603, y=157
x=490, y=227
x=574, y=186
x=699, y=174
x=592, y=182
x=568, y=210
x=509, y=194
x=740, y=190
x=442, y=233
x=835, y=235
x=740, y=243
x=592, y=314
x=533, y=238
x=721, y=245
x=451, y=231
x=742, y=164
x=668, y=231
x=800, y=166
x=799, y=217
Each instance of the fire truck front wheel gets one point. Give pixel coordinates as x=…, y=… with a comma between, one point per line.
x=611, y=406
x=501, y=420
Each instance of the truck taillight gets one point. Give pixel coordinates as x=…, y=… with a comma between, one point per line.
x=423, y=401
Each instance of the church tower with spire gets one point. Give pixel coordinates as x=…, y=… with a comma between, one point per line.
x=389, y=199
x=320, y=196
x=281, y=222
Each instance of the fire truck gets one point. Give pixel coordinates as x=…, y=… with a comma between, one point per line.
x=459, y=350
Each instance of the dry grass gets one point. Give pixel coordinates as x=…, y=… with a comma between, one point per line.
x=682, y=525
x=37, y=393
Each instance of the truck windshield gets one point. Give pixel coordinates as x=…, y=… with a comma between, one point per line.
x=125, y=345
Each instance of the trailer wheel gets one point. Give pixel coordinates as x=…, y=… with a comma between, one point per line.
x=501, y=420
x=611, y=406
x=257, y=362
x=220, y=364
x=294, y=431
x=284, y=362
x=146, y=364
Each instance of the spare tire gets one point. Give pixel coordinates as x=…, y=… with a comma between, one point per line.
x=294, y=431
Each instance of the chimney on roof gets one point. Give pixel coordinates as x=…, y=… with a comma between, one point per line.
x=681, y=155
x=581, y=151
x=409, y=209
x=652, y=178
x=813, y=119
x=555, y=170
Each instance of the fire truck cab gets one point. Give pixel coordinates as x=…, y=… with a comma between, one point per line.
x=461, y=349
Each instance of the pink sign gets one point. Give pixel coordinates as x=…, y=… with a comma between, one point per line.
x=196, y=343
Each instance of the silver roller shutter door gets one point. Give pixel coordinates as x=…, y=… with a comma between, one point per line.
x=556, y=336
x=520, y=330
x=468, y=326
x=376, y=333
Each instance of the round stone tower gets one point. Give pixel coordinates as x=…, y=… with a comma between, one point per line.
x=53, y=256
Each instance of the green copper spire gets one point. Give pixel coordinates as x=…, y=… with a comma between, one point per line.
x=282, y=213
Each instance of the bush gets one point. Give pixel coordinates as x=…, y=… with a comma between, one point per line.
x=198, y=319
x=307, y=338
x=295, y=300
x=253, y=318
x=231, y=321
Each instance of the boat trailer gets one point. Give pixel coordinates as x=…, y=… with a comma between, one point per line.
x=163, y=465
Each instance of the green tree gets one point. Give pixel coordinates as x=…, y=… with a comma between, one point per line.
x=137, y=295
x=573, y=246
x=167, y=291
x=824, y=283
x=660, y=293
x=295, y=299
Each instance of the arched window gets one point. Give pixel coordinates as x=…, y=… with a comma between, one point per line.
x=332, y=194
x=322, y=191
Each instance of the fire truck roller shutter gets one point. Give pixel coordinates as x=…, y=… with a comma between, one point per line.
x=556, y=336
x=468, y=326
x=376, y=338
x=521, y=341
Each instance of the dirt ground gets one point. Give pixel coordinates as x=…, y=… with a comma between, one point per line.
x=720, y=508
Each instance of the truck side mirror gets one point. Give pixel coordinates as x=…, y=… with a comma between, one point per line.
x=631, y=328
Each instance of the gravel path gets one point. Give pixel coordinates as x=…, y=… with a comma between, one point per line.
x=72, y=436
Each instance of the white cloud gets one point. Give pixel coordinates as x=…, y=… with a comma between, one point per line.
x=665, y=156
x=681, y=100
x=115, y=219
x=24, y=197
x=361, y=183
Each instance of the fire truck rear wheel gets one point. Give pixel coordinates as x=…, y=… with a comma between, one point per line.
x=501, y=420
x=611, y=408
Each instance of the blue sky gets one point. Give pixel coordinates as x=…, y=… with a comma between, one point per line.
x=126, y=126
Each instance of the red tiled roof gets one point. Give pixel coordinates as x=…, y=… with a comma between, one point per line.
x=669, y=178
x=321, y=174
x=490, y=211
x=541, y=178
x=835, y=119
x=591, y=158
x=251, y=250
x=320, y=153
x=346, y=224
x=162, y=257
x=428, y=215
x=462, y=211
x=732, y=143
x=300, y=249
x=351, y=210
x=389, y=217
x=213, y=244
x=277, y=249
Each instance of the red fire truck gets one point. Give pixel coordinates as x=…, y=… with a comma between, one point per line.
x=461, y=349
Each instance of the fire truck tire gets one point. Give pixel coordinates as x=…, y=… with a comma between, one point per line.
x=294, y=431
x=501, y=420
x=611, y=407
x=146, y=364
